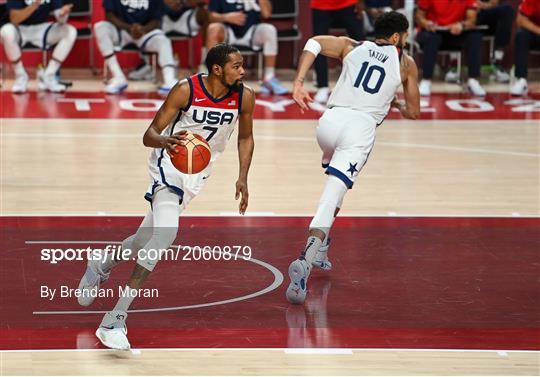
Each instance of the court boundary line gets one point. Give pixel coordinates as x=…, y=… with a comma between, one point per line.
x=278, y=215
x=449, y=350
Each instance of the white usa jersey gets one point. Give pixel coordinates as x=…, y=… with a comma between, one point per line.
x=369, y=79
x=212, y=118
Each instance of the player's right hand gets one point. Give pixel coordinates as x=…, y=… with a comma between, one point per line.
x=136, y=31
x=301, y=96
x=236, y=18
x=65, y=10
x=173, y=140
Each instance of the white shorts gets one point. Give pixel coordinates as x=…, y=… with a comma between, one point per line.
x=164, y=174
x=186, y=24
x=124, y=38
x=36, y=34
x=246, y=40
x=346, y=138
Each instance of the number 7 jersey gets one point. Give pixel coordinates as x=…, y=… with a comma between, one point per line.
x=369, y=79
x=212, y=118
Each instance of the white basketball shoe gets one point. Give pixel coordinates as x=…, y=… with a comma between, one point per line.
x=49, y=82
x=112, y=332
x=299, y=273
x=520, y=87
x=116, y=85
x=20, y=85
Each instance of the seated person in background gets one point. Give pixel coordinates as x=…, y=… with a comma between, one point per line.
x=134, y=21
x=374, y=9
x=187, y=17
x=498, y=17
x=29, y=23
x=324, y=15
x=449, y=24
x=527, y=37
x=238, y=22
x=4, y=14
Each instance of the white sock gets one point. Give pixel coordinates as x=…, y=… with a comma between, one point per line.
x=125, y=301
x=204, y=51
x=116, y=71
x=52, y=68
x=332, y=196
x=312, y=246
x=19, y=68
x=269, y=73
x=168, y=75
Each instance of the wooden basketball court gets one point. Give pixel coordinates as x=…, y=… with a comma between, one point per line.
x=435, y=251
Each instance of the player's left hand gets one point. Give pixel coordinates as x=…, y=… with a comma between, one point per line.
x=136, y=31
x=301, y=96
x=242, y=189
x=397, y=103
x=65, y=10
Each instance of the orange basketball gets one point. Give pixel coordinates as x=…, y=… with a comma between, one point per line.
x=193, y=156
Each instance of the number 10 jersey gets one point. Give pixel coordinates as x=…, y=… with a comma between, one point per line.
x=369, y=79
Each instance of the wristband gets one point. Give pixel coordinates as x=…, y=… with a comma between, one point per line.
x=313, y=46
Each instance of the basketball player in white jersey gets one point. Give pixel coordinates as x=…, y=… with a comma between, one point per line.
x=366, y=90
x=208, y=105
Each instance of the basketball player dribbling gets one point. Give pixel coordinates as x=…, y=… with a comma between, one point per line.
x=208, y=105
x=366, y=90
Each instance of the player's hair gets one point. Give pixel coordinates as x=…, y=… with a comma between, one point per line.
x=219, y=54
x=390, y=23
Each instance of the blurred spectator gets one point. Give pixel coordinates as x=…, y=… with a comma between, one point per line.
x=498, y=17
x=29, y=23
x=374, y=8
x=449, y=24
x=238, y=22
x=4, y=17
x=134, y=21
x=327, y=13
x=527, y=38
x=187, y=17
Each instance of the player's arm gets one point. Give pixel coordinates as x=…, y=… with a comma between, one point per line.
x=266, y=8
x=235, y=18
x=246, y=145
x=16, y=16
x=328, y=45
x=470, y=19
x=526, y=23
x=176, y=100
x=116, y=21
x=422, y=20
x=62, y=13
x=410, y=108
x=151, y=25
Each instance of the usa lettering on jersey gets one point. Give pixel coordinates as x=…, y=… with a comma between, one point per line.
x=136, y=4
x=30, y=2
x=247, y=5
x=212, y=117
